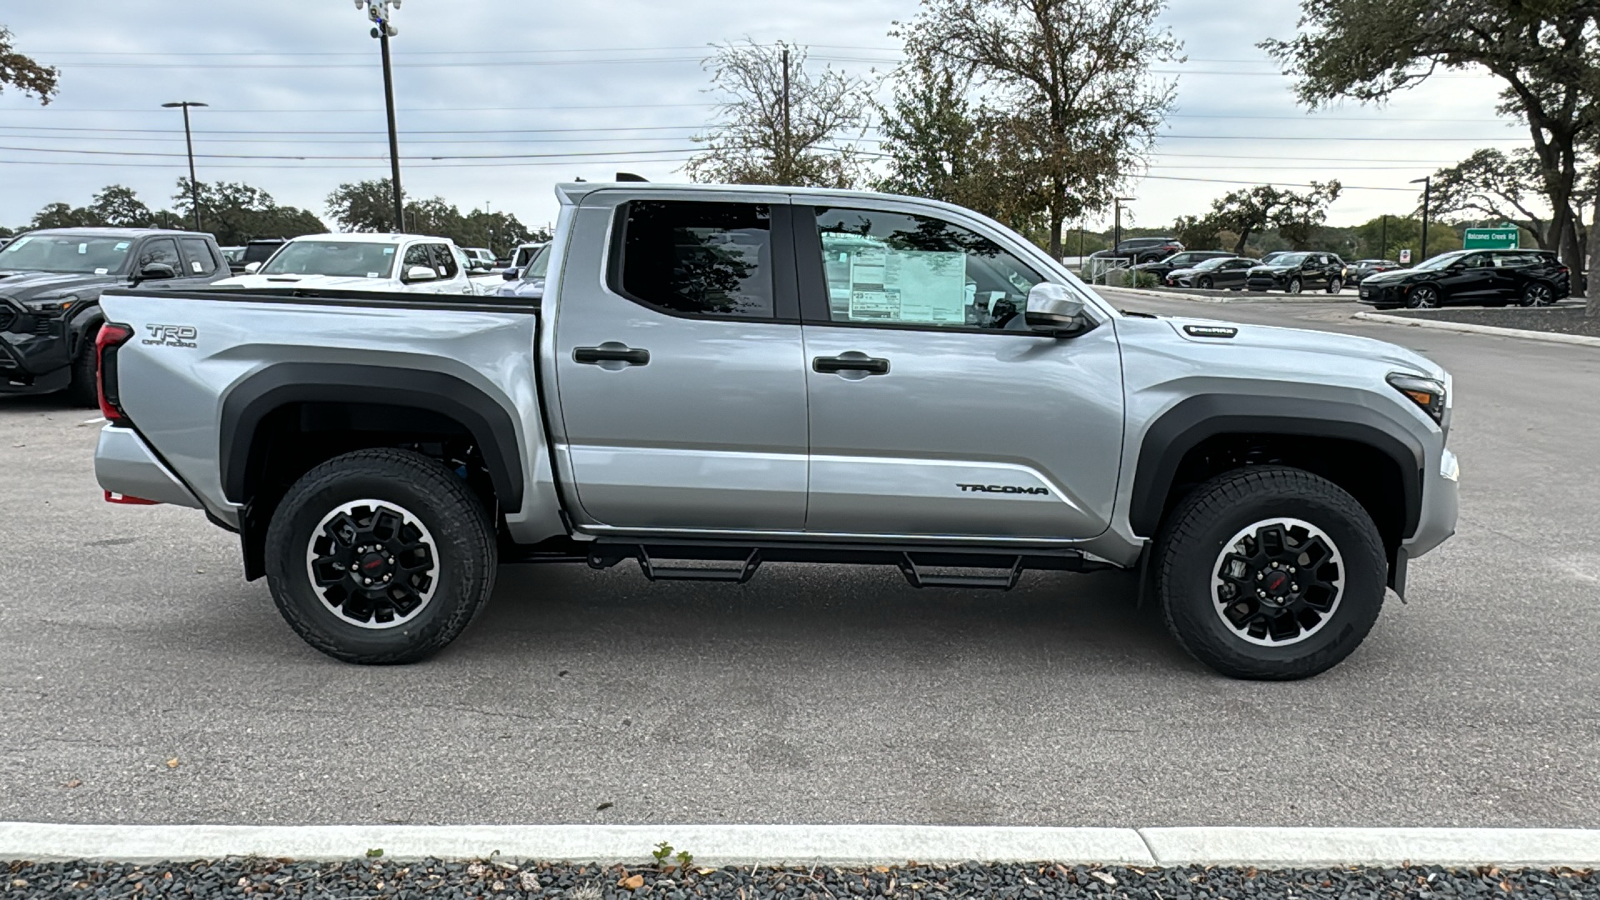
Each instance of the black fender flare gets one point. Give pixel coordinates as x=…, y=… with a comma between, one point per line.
x=83, y=326
x=1196, y=419
x=492, y=426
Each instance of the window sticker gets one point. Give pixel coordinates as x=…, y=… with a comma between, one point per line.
x=388, y=251
x=373, y=275
x=83, y=249
x=102, y=271
x=197, y=267
x=122, y=245
x=914, y=286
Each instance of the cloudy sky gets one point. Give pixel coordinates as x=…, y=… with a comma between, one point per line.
x=501, y=100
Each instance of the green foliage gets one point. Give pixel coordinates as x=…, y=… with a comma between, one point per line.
x=782, y=124
x=1296, y=215
x=24, y=74
x=1198, y=232
x=1067, y=84
x=368, y=206
x=239, y=213
x=375, y=853
x=664, y=852
x=1404, y=232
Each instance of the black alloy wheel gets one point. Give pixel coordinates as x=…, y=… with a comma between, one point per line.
x=1538, y=293
x=1204, y=282
x=1423, y=296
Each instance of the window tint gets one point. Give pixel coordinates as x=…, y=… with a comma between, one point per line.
x=697, y=257
x=163, y=251
x=1511, y=260
x=416, y=255
x=444, y=262
x=201, y=262
x=1476, y=260
x=891, y=268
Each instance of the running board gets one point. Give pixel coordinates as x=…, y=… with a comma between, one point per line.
x=993, y=571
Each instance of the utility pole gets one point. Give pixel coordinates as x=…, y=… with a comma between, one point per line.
x=1383, y=248
x=1427, y=192
x=379, y=12
x=788, y=146
x=188, y=140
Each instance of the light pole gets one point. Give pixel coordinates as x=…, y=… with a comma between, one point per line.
x=1383, y=246
x=188, y=140
x=1116, y=228
x=382, y=29
x=1427, y=194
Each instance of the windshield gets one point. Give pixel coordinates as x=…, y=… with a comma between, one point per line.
x=1438, y=262
x=340, y=259
x=1289, y=259
x=1213, y=262
x=538, y=266
x=66, y=254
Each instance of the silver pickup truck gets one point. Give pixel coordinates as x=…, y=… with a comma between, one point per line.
x=718, y=377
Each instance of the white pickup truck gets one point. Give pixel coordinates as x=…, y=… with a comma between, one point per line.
x=407, y=263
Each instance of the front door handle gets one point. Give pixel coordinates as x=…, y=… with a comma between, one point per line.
x=850, y=362
x=611, y=352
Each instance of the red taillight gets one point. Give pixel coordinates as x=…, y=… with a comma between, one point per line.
x=110, y=338
x=125, y=500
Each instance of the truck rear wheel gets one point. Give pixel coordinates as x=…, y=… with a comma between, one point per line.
x=380, y=557
x=1270, y=573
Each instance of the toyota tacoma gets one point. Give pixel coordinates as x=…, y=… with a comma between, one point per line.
x=716, y=378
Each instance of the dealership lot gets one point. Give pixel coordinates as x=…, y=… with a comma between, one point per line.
x=146, y=682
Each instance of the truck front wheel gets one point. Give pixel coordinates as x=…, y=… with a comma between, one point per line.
x=1270, y=573
x=380, y=557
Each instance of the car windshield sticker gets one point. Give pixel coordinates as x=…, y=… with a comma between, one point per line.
x=122, y=245
x=388, y=251
x=83, y=249
x=102, y=271
x=373, y=275
x=195, y=264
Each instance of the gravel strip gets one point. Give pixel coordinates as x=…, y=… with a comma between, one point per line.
x=265, y=878
x=1554, y=320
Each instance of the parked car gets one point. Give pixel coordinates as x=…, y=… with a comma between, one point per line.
x=529, y=284
x=255, y=253
x=480, y=259
x=234, y=257
x=406, y=263
x=50, y=287
x=691, y=394
x=1488, y=277
x=1268, y=259
x=520, y=259
x=1298, y=271
x=1218, y=272
x=1139, y=250
x=1357, y=272
x=1183, y=260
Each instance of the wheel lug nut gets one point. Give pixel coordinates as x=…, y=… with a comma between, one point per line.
x=1294, y=587
x=1274, y=565
x=1260, y=575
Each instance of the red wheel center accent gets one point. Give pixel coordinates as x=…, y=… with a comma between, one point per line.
x=1276, y=582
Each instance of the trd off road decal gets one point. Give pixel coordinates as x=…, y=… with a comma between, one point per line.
x=172, y=336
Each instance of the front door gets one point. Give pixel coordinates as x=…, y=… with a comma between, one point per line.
x=934, y=411
x=680, y=369
x=1472, y=278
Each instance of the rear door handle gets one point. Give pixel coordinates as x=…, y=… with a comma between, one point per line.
x=850, y=362
x=611, y=352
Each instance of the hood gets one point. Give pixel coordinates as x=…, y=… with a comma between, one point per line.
x=1272, y=269
x=1392, y=276
x=1325, y=343
x=1189, y=270
x=527, y=289
x=28, y=285
x=326, y=282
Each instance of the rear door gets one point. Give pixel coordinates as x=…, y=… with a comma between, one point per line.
x=679, y=363
x=1469, y=280
x=934, y=411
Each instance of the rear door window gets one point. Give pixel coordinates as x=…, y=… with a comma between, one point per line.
x=198, y=258
x=696, y=258
x=444, y=262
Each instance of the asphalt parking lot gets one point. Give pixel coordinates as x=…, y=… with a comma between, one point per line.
x=145, y=681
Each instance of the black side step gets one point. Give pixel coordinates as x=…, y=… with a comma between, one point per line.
x=605, y=556
x=920, y=578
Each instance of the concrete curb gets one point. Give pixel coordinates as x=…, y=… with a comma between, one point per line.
x=840, y=845
x=1239, y=297
x=1468, y=328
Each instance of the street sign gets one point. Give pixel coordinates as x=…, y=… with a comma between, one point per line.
x=1405, y=256
x=1490, y=239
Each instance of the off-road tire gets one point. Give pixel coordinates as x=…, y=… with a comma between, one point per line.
x=462, y=534
x=84, y=389
x=1187, y=551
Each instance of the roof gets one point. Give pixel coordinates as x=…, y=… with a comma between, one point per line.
x=114, y=232
x=363, y=237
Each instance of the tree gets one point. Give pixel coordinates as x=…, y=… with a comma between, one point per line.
x=63, y=215
x=942, y=146
x=239, y=213
x=784, y=125
x=1403, y=232
x=364, y=206
x=1252, y=210
x=1491, y=184
x=119, y=207
x=1546, y=53
x=1200, y=232
x=1072, y=77
x=368, y=206
x=24, y=74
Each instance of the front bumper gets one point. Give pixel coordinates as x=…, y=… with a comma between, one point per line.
x=1441, y=503
x=124, y=464
x=1381, y=294
x=35, y=351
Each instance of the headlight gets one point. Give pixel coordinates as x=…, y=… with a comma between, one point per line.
x=51, y=306
x=1429, y=395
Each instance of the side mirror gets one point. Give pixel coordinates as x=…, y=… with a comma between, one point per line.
x=251, y=268
x=421, y=273
x=157, y=272
x=1052, y=309
x=512, y=274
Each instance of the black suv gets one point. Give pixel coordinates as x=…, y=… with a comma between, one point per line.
x=1298, y=271
x=1187, y=259
x=50, y=284
x=257, y=251
x=1489, y=277
x=1140, y=250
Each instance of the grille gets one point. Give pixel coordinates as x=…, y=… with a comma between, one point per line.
x=7, y=316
